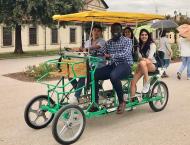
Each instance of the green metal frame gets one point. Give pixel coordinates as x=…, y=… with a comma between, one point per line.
x=62, y=96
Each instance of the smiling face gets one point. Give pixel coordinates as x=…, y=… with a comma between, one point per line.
x=144, y=37
x=96, y=33
x=116, y=31
x=127, y=33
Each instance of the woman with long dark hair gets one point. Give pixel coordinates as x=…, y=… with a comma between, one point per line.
x=128, y=32
x=147, y=63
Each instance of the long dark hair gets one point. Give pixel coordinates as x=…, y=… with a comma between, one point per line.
x=132, y=37
x=144, y=48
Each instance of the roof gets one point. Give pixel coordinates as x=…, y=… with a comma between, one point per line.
x=108, y=17
x=103, y=2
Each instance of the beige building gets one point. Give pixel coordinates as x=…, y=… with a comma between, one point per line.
x=41, y=38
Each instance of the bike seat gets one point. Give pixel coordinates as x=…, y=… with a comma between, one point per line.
x=156, y=72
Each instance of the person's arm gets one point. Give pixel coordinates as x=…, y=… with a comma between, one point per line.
x=101, y=43
x=152, y=51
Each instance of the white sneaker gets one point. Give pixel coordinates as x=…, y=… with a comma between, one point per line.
x=146, y=88
x=188, y=78
x=73, y=100
x=125, y=97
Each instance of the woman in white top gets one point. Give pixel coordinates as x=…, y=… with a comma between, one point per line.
x=184, y=46
x=147, y=61
x=166, y=48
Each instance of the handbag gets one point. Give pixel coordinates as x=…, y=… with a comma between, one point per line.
x=159, y=56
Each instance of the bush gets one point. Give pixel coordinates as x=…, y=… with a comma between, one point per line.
x=37, y=71
x=176, y=52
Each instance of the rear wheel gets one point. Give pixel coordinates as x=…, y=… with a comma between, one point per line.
x=68, y=124
x=34, y=116
x=159, y=89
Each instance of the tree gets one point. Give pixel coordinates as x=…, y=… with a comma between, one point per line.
x=15, y=13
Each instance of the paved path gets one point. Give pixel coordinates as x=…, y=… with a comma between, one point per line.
x=139, y=127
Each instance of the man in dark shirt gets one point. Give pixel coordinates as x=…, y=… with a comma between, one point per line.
x=119, y=51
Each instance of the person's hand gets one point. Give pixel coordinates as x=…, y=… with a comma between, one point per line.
x=107, y=55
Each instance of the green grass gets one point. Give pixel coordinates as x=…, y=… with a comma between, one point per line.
x=11, y=55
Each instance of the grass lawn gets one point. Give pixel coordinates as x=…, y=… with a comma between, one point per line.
x=11, y=55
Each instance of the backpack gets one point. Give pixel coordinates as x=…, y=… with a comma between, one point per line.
x=159, y=56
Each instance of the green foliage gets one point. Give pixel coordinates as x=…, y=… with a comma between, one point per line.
x=8, y=55
x=37, y=71
x=175, y=50
x=35, y=11
x=14, y=13
x=134, y=67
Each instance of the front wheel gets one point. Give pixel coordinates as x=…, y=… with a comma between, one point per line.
x=160, y=95
x=34, y=116
x=68, y=124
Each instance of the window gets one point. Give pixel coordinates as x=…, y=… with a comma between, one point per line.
x=32, y=36
x=54, y=36
x=72, y=35
x=7, y=36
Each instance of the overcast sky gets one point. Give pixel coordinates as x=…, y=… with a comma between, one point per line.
x=150, y=6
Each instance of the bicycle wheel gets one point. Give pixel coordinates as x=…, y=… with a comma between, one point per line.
x=159, y=89
x=68, y=124
x=34, y=116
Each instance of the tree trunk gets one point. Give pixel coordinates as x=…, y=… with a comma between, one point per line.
x=18, y=40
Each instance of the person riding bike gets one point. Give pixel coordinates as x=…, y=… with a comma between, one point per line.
x=93, y=44
x=119, y=50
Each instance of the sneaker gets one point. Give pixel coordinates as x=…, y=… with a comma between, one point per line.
x=178, y=75
x=73, y=100
x=164, y=75
x=146, y=88
x=125, y=97
x=188, y=78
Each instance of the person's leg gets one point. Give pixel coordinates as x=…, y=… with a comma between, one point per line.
x=150, y=68
x=188, y=68
x=73, y=82
x=136, y=78
x=144, y=69
x=121, y=71
x=101, y=74
x=166, y=64
x=81, y=83
x=183, y=65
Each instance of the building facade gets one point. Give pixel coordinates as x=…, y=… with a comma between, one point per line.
x=44, y=38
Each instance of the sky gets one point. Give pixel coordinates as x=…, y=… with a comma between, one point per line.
x=163, y=7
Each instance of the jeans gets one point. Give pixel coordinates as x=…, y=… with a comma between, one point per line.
x=166, y=63
x=81, y=81
x=115, y=73
x=78, y=84
x=185, y=63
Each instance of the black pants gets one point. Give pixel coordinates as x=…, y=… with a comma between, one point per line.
x=115, y=73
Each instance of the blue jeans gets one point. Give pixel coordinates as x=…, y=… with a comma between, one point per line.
x=81, y=82
x=166, y=63
x=115, y=73
x=185, y=63
x=76, y=85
